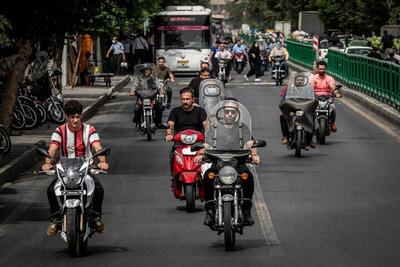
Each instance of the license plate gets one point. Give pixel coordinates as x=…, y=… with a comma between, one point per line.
x=183, y=61
x=73, y=192
x=238, y=60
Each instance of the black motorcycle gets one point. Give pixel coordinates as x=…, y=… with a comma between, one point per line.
x=228, y=148
x=278, y=73
x=323, y=116
x=298, y=109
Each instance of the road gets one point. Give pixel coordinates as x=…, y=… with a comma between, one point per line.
x=336, y=206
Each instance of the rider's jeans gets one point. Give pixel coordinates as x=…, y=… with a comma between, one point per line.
x=248, y=188
x=285, y=66
x=97, y=201
x=333, y=113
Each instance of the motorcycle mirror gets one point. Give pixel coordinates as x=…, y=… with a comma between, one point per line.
x=43, y=152
x=196, y=147
x=102, y=152
x=259, y=143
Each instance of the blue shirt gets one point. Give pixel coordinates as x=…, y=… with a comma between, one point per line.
x=238, y=49
x=117, y=48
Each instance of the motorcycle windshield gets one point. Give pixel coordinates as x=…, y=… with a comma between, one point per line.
x=299, y=97
x=140, y=67
x=71, y=166
x=230, y=127
x=145, y=87
x=211, y=92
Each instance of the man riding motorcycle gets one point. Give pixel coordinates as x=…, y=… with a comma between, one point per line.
x=324, y=85
x=224, y=53
x=163, y=73
x=240, y=49
x=230, y=116
x=194, y=84
x=279, y=50
x=74, y=138
x=187, y=116
x=143, y=79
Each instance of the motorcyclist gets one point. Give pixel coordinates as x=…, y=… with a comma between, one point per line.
x=238, y=48
x=142, y=79
x=162, y=72
x=279, y=50
x=324, y=85
x=224, y=53
x=230, y=117
x=74, y=138
x=298, y=82
x=187, y=116
x=194, y=84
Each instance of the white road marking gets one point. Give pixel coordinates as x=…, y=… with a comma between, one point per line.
x=264, y=216
x=353, y=106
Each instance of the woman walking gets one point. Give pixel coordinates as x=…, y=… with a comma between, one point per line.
x=255, y=62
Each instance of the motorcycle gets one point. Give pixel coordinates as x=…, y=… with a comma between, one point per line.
x=227, y=148
x=186, y=173
x=323, y=116
x=74, y=190
x=222, y=65
x=147, y=92
x=278, y=74
x=239, y=62
x=298, y=109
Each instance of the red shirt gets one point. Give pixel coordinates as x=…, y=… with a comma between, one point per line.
x=322, y=86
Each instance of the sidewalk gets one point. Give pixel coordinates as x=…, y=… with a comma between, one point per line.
x=23, y=142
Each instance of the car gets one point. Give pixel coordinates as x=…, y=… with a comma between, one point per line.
x=358, y=50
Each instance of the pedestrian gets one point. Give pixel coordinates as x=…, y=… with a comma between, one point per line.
x=255, y=62
x=129, y=52
x=387, y=41
x=118, y=55
x=140, y=47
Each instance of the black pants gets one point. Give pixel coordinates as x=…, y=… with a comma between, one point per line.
x=140, y=56
x=285, y=130
x=168, y=90
x=116, y=62
x=137, y=109
x=248, y=189
x=255, y=68
x=97, y=201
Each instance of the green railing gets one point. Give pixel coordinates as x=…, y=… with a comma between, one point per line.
x=376, y=78
x=301, y=53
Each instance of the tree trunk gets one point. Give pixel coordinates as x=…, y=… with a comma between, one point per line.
x=11, y=88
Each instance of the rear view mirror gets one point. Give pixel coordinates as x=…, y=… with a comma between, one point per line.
x=259, y=143
x=102, y=152
x=43, y=152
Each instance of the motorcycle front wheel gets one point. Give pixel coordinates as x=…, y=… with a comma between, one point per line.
x=148, y=128
x=229, y=233
x=321, y=131
x=299, y=142
x=76, y=246
x=190, y=197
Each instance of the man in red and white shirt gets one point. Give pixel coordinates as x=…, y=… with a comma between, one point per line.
x=324, y=85
x=74, y=139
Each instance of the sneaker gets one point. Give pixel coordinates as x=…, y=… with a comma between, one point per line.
x=333, y=127
x=257, y=80
x=284, y=141
x=208, y=220
x=248, y=220
x=100, y=227
x=245, y=76
x=311, y=145
x=53, y=229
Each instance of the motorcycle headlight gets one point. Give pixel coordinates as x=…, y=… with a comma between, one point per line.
x=188, y=139
x=323, y=104
x=299, y=113
x=227, y=175
x=146, y=101
x=72, y=178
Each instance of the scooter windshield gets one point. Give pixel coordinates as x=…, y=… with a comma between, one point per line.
x=299, y=87
x=145, y=87
x=230, y=127
x=210, y=94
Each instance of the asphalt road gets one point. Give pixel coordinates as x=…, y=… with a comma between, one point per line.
x=336, y=206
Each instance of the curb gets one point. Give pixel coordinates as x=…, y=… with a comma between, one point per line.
x=92, y=109
x=384, y=111
x=20, y=164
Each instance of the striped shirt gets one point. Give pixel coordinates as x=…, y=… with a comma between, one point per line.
x=75, y=144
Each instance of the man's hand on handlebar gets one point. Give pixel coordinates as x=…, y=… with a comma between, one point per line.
x=169, y=137
x=103, y=165
x=47, y=167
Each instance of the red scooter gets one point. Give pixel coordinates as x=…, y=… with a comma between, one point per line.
x=186, y=173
